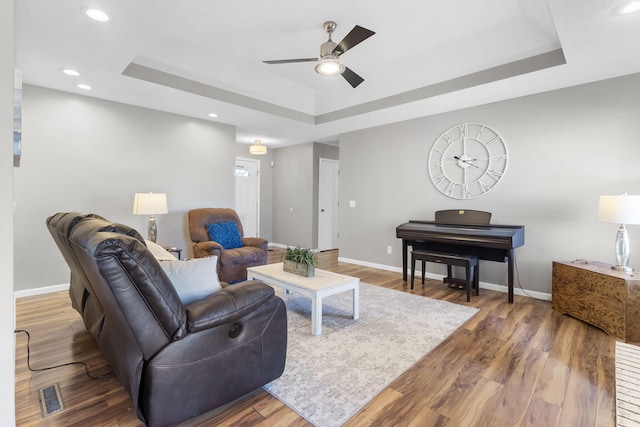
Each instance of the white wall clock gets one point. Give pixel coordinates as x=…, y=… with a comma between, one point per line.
x=467, y=161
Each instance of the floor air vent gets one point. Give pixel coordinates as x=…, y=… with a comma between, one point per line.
x=50, y=400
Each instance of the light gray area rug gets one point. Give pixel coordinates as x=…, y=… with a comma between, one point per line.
x=627, y=385
x=329, y=378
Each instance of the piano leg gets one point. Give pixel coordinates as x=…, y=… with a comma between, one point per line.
x=405, y=244
x=470, y=278
x=510, y=269
x=413, y=269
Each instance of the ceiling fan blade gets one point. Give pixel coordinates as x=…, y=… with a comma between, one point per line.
x=290, y=61
x=357, y=35
x=353, y=79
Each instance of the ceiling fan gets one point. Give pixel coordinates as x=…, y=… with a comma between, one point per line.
x=329, y=63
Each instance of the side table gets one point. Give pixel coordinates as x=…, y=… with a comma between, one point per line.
x=175, y=250
x=598, y=295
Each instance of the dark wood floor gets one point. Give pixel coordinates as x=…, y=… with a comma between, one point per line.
x=519, y=364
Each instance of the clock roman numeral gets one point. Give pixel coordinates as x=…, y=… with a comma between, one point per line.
x=466, y=191
x=493, y=141
x=450, y=188
x=439, y=178
x=484, y=187
x=494, y=174
x=463, y=130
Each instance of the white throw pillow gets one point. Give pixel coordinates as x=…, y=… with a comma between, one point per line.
x=193, y=279
x=159, y=253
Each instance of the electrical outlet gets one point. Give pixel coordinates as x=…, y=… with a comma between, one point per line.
x=389, y=250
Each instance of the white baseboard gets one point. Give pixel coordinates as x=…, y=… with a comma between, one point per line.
x=281, y=246
x=483, y=285
x=371, y=264
x=41, y=291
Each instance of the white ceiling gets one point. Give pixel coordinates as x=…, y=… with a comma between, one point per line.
x=193, y=57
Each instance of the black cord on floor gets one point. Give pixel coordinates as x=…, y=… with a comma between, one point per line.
x=515, y=263
x=86, y=368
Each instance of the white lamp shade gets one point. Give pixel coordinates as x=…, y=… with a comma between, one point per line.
x=619, y=209
x=150, y=204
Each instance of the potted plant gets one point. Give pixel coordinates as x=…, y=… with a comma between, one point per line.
x=299, y=261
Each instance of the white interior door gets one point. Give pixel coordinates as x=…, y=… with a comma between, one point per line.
x=328, y=199
x=248, y=195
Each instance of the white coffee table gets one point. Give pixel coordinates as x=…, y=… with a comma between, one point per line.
x=322, y=284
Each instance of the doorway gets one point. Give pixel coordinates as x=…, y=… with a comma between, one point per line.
x=248, y=195
x=328, y=204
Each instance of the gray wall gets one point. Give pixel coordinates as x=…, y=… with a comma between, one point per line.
x=89, y=155
x=320, y=151
x=295, y=193
x=266, y=188
x=7, y=307
x=566, y=148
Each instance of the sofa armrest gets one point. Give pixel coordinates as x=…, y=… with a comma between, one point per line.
x=231, y=302
x=256, y=242
x=204, y=249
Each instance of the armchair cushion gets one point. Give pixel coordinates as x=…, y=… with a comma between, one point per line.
x=225, y=233
x=193, y=279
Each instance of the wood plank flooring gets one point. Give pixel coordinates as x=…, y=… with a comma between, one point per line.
x=519, y=364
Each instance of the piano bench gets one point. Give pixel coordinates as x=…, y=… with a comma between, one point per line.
x=469, y=262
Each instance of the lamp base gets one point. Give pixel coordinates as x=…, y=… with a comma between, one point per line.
x=622, y=268
x=152, y=229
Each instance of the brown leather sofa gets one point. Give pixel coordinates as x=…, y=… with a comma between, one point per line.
x=175, y=361
x=232, y=263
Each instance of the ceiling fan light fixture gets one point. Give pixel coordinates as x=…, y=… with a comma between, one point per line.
x=329, y=66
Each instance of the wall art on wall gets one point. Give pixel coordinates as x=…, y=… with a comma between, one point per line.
x=467, y=161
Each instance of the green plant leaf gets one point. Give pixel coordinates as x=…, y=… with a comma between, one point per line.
x=300, y=255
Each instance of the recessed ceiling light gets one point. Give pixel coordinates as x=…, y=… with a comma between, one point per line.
x=634, y=6
x=97, y=15
x=214, y=115
x=71, y=72
x=84, y=86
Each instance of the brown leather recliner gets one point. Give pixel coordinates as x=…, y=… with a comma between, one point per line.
x=176, y=361
x=232, y=263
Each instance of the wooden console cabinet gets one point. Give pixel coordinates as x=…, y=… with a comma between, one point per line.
x=596, y=294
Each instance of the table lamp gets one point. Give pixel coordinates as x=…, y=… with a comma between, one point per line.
x=150, y=204
x=620, y=209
